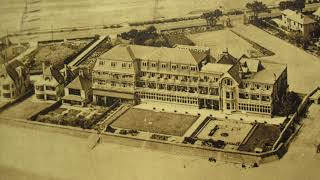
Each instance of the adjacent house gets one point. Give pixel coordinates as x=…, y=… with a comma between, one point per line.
x=52, y=83
x=79, y=91
x=14, y=79
x=296, y=21
x=138, y=74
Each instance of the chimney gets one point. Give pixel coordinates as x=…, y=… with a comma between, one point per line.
x=65, y=72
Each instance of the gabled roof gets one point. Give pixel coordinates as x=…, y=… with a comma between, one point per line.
x=317, y=12
x=298, y=17
x=53, y=72
x=250, y=65
x=11, y=69
x=81, y=82
x=119, y=52
x=162, y=54
x=227, y=58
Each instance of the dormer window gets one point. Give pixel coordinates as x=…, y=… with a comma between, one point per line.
x=183, y=67
x=145, y=64
x=193, y=68
x=174, y=66
x=163, y=65
x=124, y=65
x=113, y=64
x=101, y=62
x=153, y=65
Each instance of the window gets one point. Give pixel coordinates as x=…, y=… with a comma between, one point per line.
x=153, y=65
x=183, y=67
x=50, y=88
x=39, y=88
x=228, y=95
x=228, y=105
x=6, y=87
x=101, y=62
x=193, y=68
x=129, y=65
x=174, y=67
x=74, y=91
x=163, y=65
x=144, y=64
x=124, y=65
x=113, y=64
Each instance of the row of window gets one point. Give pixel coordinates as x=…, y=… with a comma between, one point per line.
x=166, y=66
x=168, y=98
x=254, y=97
x=256, y=86
x=41, y=88
x=177, y=77
x=254, y=108
x=115, y=64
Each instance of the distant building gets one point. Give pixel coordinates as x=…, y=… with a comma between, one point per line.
x=296, y=21
x=14, y=79
x=51, y=85
x=134, y=74
x=79, y=91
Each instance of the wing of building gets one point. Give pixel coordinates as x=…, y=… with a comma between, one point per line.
x=135, y=74
x=14, y=79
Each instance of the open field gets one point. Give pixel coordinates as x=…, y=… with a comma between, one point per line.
x=25, y=108
x=303, y=68
x=236, y=131
x=263, y=137
x=155, y=122
x=220, y=41
x=63, y=157
x=70, y=13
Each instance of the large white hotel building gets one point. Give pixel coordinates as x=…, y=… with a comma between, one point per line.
x=187, y=75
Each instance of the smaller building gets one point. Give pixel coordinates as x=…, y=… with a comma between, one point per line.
x=79, y=91
x=298, y=22
x=50, y=87
x=14, y=79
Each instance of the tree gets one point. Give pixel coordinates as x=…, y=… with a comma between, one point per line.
x=290, y=103
x=299, y=39
x=212, y=16
x=293, y=5
x=257, y=7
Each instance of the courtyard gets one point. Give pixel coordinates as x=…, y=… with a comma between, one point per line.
x=231, y=132
x=84, y=117
x=155, y=122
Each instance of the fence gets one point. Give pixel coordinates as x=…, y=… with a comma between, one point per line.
x=295, y=117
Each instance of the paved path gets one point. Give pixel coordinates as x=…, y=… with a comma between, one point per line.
x=303, y=68
x=86, y=52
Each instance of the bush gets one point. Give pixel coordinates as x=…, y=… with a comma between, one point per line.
x=189, y=140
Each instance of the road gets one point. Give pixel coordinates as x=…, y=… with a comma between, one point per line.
x=303, y=68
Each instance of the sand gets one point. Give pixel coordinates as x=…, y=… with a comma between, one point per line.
x=57, y=156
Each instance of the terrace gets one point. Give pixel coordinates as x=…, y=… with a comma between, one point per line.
x=155, y=122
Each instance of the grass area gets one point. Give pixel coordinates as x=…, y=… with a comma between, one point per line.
x=24, y=109
x=55, y=53
x=155, y=122
x=263, y=137
x=85, y=118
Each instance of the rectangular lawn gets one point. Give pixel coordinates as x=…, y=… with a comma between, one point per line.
x=155, y=122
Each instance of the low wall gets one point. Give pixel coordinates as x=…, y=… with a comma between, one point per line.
x=54, y=106
x=175, y=148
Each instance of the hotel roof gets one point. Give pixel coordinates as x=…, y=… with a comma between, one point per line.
x=215, y=67
x=317, y=13
x=298, y=17
x=269, y=73
x=162, y=54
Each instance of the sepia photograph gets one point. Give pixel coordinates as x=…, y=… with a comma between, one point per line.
x=159, y=89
